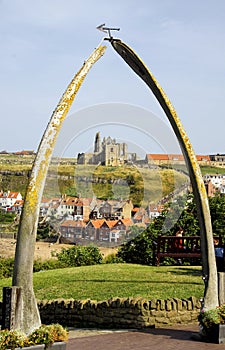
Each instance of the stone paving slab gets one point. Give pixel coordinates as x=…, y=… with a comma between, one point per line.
x=90, y=332
x=168, y=338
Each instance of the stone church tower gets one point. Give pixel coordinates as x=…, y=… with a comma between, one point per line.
x=97, y=145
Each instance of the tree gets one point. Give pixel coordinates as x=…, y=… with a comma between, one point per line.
x=145, y=242
x=217, y=209
x=140, y=250
x=80, y=256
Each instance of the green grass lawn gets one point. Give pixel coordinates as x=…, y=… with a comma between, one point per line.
x=100, y=282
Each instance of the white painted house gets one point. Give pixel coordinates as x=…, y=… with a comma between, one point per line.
x=8, y=199
x=217, y=180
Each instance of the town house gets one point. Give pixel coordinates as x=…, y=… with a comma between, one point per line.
x=107, y=230
x=79, y=208
x=92, y=229
x=168, y=159
x=17, y=206
x=154, y=210
x=8, y=199
x=112, y=209
x=214, y=183
x=72, y=230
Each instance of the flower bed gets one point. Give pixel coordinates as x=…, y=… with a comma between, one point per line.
x=51, y=337
x=212, y=324
x=54, y=346
x=34, y=347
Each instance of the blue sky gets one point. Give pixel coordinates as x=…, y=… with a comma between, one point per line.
x=44, y=43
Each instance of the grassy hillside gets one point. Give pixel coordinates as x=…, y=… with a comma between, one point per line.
x=212, y=170
x=100, y=282
x=142, y=185
x=139, y=184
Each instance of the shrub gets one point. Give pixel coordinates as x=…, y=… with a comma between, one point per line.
x=6, y=217
x=139, y=250
x=112, y=259
x=12, y=339
x=6, y=267
x=212, y=317
x=58, y=333
x=209, y=318
x=43, y=335
x=48, y=334
x=50, y=264
x=7, y=264
x=80, y=256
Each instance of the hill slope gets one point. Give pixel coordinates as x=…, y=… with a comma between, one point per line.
x=102, y=282
x=142, y=185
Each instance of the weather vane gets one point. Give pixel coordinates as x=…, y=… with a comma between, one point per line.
x=104, y=29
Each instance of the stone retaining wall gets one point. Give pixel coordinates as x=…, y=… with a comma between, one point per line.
x=9, y=235
x=119, y=312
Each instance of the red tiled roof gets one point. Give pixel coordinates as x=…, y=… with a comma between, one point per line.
x=45, y=200
x=157, y=156
x=55, y=199
x=18, y=203
x=136, y=209
x=156, y=208
x=138, y=217
x=73, y=223
x=165, y=156
x=111, y=223
x=127, y=222
x=24, y=152
x=78, y=202
x=9, y=194
x=178, y=157
x=202, y=158
x=97, y=223
x=13, y=194
x=69, y=201
x=140, y=214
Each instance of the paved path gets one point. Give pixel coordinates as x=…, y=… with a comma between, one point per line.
x=168, y=338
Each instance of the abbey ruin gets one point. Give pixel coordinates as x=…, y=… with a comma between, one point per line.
x=107, y=152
